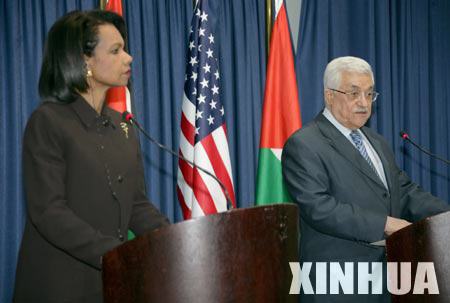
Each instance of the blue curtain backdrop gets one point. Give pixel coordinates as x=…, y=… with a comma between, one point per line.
x=158, y=32
x=407, y=43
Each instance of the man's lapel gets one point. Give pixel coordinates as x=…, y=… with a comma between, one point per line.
x=379, y=149
x=343, y=146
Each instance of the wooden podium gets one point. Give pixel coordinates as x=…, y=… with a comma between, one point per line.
x=241, y=255
x=425, y=241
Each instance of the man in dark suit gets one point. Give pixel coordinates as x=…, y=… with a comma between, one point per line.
x=345, y=180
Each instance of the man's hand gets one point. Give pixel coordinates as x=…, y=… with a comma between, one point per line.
x=394, y=224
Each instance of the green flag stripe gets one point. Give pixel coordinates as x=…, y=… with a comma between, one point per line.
x=270, y=187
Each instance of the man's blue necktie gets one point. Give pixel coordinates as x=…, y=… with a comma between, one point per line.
x=358, y=140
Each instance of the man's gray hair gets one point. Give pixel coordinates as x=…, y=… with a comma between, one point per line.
x=334, y=69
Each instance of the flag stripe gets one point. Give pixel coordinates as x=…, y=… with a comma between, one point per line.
x=220, y=138
x=203, y=160
x=188, y=109
x=281, y=110
x=184, y=190
x=186, y=211
x=186, y=149
x=187, y=129
x=187, y=195
x=220, y=170
x=201, y=193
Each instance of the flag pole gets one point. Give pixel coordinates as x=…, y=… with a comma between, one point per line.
x=268, y=26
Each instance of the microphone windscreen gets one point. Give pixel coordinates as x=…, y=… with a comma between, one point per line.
x=404, y=135
x=127, y=116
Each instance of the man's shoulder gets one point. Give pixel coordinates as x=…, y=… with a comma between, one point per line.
x=308, y=132
x=309, y=135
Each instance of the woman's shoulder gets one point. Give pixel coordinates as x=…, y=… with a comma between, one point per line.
x=47, y=117
x=50, y=111
x=47, y=107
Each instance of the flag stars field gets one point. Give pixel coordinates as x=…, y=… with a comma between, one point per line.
x=215, y=90
x=193, y=61
x=204, y=17
x=194, y=76
x=201, y=99
x=207, y=68
x=204, y=83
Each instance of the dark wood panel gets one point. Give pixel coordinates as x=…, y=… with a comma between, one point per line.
x=424, y=241
x=239, y=256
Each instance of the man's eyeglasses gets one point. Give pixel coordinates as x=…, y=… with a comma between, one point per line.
x=356, y=95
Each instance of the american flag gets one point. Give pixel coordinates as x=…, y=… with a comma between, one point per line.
x=203, y=136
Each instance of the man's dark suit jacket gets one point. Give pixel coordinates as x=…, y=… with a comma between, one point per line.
x=343, y=204
x=84, y=182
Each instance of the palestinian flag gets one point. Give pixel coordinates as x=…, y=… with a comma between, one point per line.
x=281, y=112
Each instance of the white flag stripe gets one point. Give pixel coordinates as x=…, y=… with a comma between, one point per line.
x=188, y=195
x=186, y=191
x=197, y=211
x=128, y=100
x=202, y=160
x=188, y=109
x=278, y=4
x=186, y=148
x=277, y=152
x=220, y=139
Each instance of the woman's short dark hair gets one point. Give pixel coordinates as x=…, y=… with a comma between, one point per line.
x=73, y=36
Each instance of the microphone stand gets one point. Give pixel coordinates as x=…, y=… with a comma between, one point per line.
x=405, y=137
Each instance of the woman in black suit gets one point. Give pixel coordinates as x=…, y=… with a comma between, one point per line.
x=83, y=171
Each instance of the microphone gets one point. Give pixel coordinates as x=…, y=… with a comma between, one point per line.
x=405, y=137
x=128, y=118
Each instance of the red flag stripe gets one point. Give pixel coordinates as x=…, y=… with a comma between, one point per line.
x=188, y=129
x=217, y=163
x=281, y=110
x=221, y=140
x=186, y=211
x=189, y=200
x=201, y=192
x=202, y=158
x=114, y=6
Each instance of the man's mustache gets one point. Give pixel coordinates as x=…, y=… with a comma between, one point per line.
x=361, y=111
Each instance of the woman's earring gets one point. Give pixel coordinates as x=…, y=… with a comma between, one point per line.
x=89, y=73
